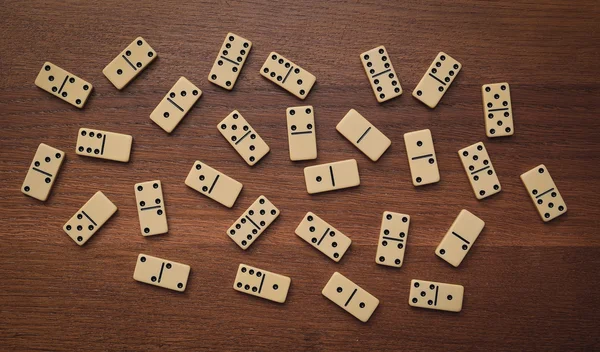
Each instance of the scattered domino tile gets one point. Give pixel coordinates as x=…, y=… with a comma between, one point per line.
x=302, y=137
x=436, y=81
x=230, y=61
x=161, y=272
x=129, y=63
x=350, y=297
x=261, y=283
x=436, y=295
x=460, y=238
x=42, y=172
x=381, y=73
x=480, y=171
x=63, y=84
x=151, y=208
x=498, y=110
x=544, y=193
x=104, y=144
x=243, y=138
x=213, y=184
x=392, y=239
x=331, y=176
x=288, y=75
x=366, y=137
x=324, y=237
x=421, y=157
x=176, y=104
x=89, y=218
x=253, y=222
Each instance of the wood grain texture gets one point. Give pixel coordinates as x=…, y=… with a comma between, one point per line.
x=528, y=285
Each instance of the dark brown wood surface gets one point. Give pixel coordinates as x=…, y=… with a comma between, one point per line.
x=529, y=285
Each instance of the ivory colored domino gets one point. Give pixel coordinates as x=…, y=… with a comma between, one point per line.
x=498, y=110
x=90, y=218
x=104, y=145
x=392, y=239
x=436, y=295
x=288, y=75
x=366, y=137
x=480, y=171
x=544, y=193
x=63, y=84
x=460, y=238
x=176, y=104
x=253, y=222
x=213, y=184
x=151, y=208
x=161, y=272
x=302, y=137
x=331, y=176
x=324, y=237
x=230, y=61
x=243, y=138
x=382, y=76
x=436, y=81
x=421, y=157
x=42, y=172
x=262, y=283
x=129, y=63
x=350, y=297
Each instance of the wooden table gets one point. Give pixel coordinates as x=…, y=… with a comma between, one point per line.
x=529, y=285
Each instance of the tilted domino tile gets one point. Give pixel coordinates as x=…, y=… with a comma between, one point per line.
x=176, y=104
x=43, y=171
x=161, y=272
x=350, y=297
x=129, y=63
x=230, y=61
x=253, y=222
x=436, y=81
x=382, y=76
x=243, y=138
x=480, y=171
x=288, y=75
x=366, y=137
x=324, y=237
x=544, y=193
x=460, y=238
x=90, y=218
x=63, y=84
x=261, y=283
x=213, y=184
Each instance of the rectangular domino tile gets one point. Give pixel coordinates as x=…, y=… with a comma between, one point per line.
x=480, y=171
x=213, y=184
x=42, y=172
x=104, y=144
x=230, y=61
x=302, y=133
x=129, y=63
x=392, y=239
x=151, y=208
x=288, y=75
x=382, y=76
x=366, y=137
x=243, y=138
x=161, y=272
x=350, y=297
x=255, y=220
x=436, y=295
x=176, y=104
x=421, y=157
x=89, y=218
x=261, y=283
x=460, y=238
x=544, y=193
x=324, y=237
x=63, y=84
x=331, y=176
x=498, y=110
x=436, y=81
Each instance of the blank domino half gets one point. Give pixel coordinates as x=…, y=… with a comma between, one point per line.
x=382, y=76
x=151, y=208
x=324, y=237
x=176, y=104
x=288, y=75
x=350, y=297
x=544, y=193
x=88, y=220
x=460, y=238
x=161, y=272
x=253, y=222
x=213, y=184
x=436, y=81
x=480, y=171
x=261, y=283
x=104, y=144
x=421, y=157
x=230, y=61
x=366, y=137
x=129, y=63
x=42, y=172
x=302, y=137
x=392, y=239
x=63, y=84
x=436, y=295
x=243, y=138
x=331, y=176
x=498, y=110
